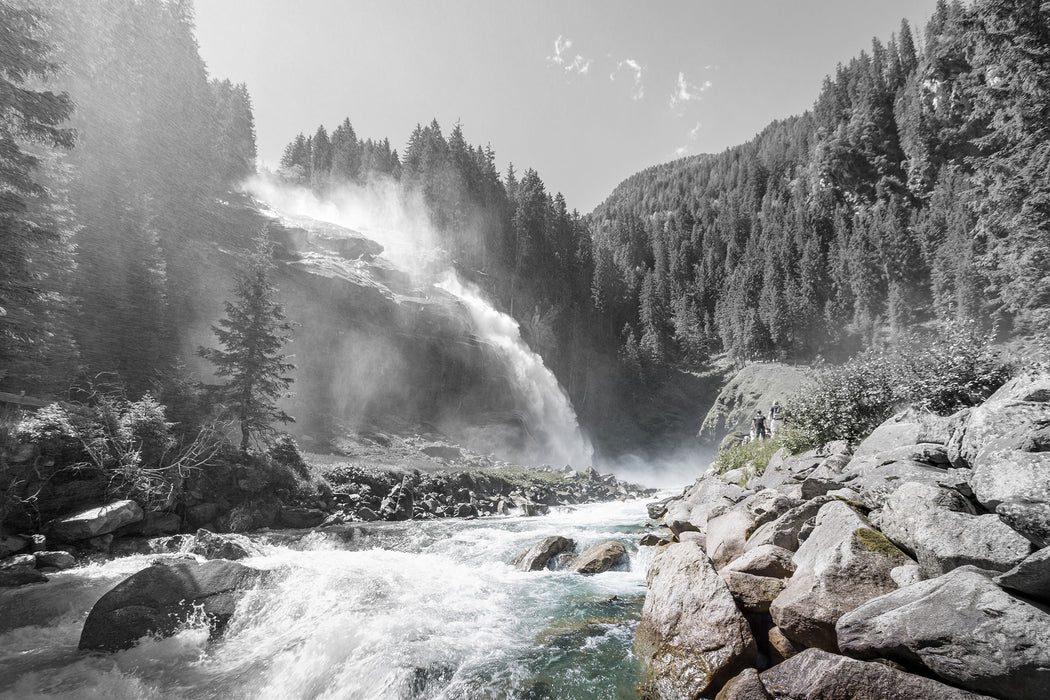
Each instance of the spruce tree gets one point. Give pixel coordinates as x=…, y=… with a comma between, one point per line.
x=252, y=334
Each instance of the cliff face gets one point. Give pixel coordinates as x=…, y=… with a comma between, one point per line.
x=754, y=388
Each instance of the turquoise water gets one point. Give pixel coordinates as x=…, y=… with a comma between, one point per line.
x=387, y=610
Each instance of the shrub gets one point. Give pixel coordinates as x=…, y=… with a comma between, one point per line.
x=952, y=368
x=284, y=450
x=750, y=457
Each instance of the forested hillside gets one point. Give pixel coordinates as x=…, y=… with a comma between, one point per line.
x=916, y=190
x=107, y=172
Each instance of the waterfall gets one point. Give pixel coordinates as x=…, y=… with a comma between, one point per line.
x=551, y=419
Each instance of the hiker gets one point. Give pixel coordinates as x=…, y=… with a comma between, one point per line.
x=758, y=426
x=774, y=418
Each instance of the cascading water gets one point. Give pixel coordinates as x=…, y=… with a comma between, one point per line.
x=382, y=611
x=552, y=420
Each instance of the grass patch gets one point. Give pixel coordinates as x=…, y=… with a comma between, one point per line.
x=752, y=457
x=878, y=542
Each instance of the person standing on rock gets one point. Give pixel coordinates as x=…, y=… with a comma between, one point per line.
x=758, y=426
x=774, y=418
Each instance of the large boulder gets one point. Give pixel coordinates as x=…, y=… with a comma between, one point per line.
x=536, y=557
x=11, y=544
x=20, y=576
x=161, y=597
x=842, y=564
x=815, y=674
x=940, y=527
x=94, y=522
x=706, y=495
x=1031, y=519
x=767, y=560
x=55, y=560
x=1003, y=475
x=212, y=545
x=1031, y=577
x=746, y=686
x=726, y=536
x=691, y=638
x=300, y=518
x=600, y=558
x=783, y=532
x=962, y=627
x=752, y=593
x=1022, y=403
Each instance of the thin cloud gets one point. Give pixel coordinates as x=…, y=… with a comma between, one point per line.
x=562, y=58
x=695, y=131
x=635, y=69
x=686, y=91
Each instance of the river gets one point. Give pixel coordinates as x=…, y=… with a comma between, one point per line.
x=421, y=609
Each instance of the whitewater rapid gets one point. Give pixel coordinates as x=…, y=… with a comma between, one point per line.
x=426, y=609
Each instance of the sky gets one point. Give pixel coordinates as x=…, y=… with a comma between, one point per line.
x=586, y=92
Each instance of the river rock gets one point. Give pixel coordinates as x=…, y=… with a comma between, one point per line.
x=55, y=560
x=299, y=518
x=962, y=627
x=600, y=558
x=707, y=494
x=656, y=510
x=653, y=540
x=160, y=598
x=11, y=544
x=746, y=686
x=1031, y=519
x=211, y=545
x=95, y=522
x=20, y=576
x=536, y=557
x=781, y=644
x=726, y=536
x=815, y=674
x=691, y=638
x=752, y=593
x=939, y=526
x=1031, y=577
x=765, y=560
x=842, y=564
x=783, y=532
x=18, y=561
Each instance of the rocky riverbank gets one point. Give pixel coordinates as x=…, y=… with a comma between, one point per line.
x=916, y=565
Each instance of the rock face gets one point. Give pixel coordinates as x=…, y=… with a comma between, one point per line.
x=939, y=526
x=817, y=675
x=600, y=558
x=538, y=555
x=95, y=521
x=692, y=638
x=962, y=627
x=842, y=564
x=160, y=598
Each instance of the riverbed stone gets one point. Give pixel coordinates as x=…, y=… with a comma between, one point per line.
x=752, y=593
x=94, y=522
x=20, y=576
x=962, y=627
x=536, y=557
x=300, y=518
x=765, y=560
x=600, y=558
x=212, y=545
x=746, y=686
x=691, y=638
x=842, y=564
x=12, y=544
x=815, y=674
x=1031, y=577
x=55, y=560
x=161, y=597
x=726, y=536
x=939, y=526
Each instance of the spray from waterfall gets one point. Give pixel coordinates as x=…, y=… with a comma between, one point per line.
x=398, y=221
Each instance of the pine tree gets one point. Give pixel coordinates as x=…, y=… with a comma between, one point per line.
x=33, y=250
x=252, y=334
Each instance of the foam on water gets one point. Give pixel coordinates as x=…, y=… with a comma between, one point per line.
x=389, y=610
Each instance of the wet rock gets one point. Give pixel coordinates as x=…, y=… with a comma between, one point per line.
x=211, y=545
x=1031, y=519
x=55, y=560
x=656, y=510
x=12, y=578
x=691, y=638
x=12, y=544
x=937, y=524
x=746, y=686
x=536, y=557
x=466, y=510
x=94, y=522
x=18, y=561
x=766, y=560
x=1031, y=577
x=160, y=598
x=962, y=627
x=752, y=593
x=652, y=540
x=843, y=564
x=301, y=518
x=677, y=527
x=600, y=558
x=818, y=675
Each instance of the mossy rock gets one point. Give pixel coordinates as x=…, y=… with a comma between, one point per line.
x=878, y=542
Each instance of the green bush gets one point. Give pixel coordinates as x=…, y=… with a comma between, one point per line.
x=951, y=368
x=750, y=457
